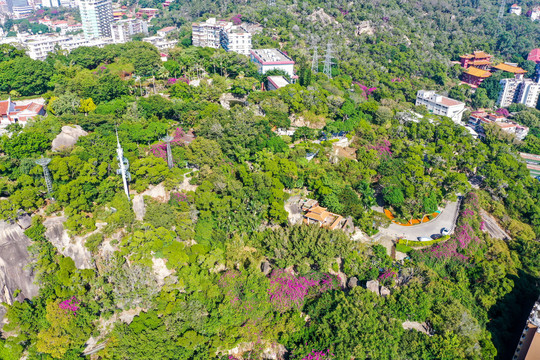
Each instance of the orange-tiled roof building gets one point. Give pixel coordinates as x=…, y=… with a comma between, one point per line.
x=479, y=59
x=474, y=76
x=529, y=343
x=316, y=214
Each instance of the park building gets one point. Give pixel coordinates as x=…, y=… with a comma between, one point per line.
x=97, y=17
x=441, y=105
x=123, y=30
x=528, y=347
x=272, y=59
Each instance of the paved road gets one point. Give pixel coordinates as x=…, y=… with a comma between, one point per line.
x=445, y=219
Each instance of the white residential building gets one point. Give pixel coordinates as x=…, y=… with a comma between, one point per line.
x=123, y=30
x=166, y=31
x=534, y=13
x=215, y=34
x=50, y=3
x=441, y=105
x=515, y=9
x=236, y=39
x=40, y=45
x=272, y=59
x=160, y=43
x=208, y=33
x=97, y=17
x=518, y=90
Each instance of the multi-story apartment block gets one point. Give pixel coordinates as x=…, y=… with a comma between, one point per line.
x=160, y=43
x=123, y=30
x=97, y=17
x=208, y=33
x=236, y=39
x=441, y=105
x=272, y=59
x=215, y=34
x=518, y=90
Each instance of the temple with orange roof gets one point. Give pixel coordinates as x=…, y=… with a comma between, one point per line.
x=478, y=59
x=474, y=76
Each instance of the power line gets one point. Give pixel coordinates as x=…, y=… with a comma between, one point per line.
x=46, y=173
x=315, y=60
x=327, y=70
x=168, y=140
x=502, y=8
x=123, y=165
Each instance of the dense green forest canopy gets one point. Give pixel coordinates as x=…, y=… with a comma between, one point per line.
x=231, y=271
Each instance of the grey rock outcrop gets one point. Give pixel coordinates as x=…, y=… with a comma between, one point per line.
x=14, y=258
x=373, y=286
x=352, y=283
x=266, y=268
x=74, y=248
x=68, y=137
x=157, y=192
x=385, y=291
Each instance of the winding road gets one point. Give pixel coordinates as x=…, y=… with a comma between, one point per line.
x=446, y=219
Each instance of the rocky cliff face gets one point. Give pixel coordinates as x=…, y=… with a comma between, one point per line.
x=15, y=273
x=67, y=246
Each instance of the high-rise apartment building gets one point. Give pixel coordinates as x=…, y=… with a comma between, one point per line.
x=97, y=17
x=518, y=90
x=236, y=39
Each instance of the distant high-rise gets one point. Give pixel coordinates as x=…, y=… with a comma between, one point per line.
x=97, y=17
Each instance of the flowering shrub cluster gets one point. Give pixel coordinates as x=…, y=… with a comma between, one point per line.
x=180, y=197
x=287, y=291
x=387, y=274
x=71, y=305
x=237, y=19
x=160, y=149
x=383, y=148
x=366, y=92
x=318, y=355
x=503, y=112
x=464, y=242
x=396, y=80
x=172, y=81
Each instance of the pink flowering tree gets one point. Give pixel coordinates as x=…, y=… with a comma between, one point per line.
x=180, y=138
x=382, y=148
x=288, y=291
x=71, y=305
x=366, y=91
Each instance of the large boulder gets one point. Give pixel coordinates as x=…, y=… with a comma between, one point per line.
x=67, y=246
x=68, y=137
x=373, y=286
x=157, y=192
x=15, y=274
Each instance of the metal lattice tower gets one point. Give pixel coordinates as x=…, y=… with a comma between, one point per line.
x=43, y=162
x=168, y=140
x=327, y=70
x=502, y=8
x=123, y=165
x=315, y=60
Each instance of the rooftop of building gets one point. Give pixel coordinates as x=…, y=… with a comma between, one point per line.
x=515, y=6
x=476, y=55
x=439, y=99
x=510, y=68
x=474, y=71
x=534, y=55
x=278, y=81
x=271, y=56
x=167, y=29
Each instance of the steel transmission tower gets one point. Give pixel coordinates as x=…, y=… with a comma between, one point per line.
x=168, y=140
x=123, y=165
x=46, y=173
x=315, y=61
x=327, y=70
x=502, y=8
